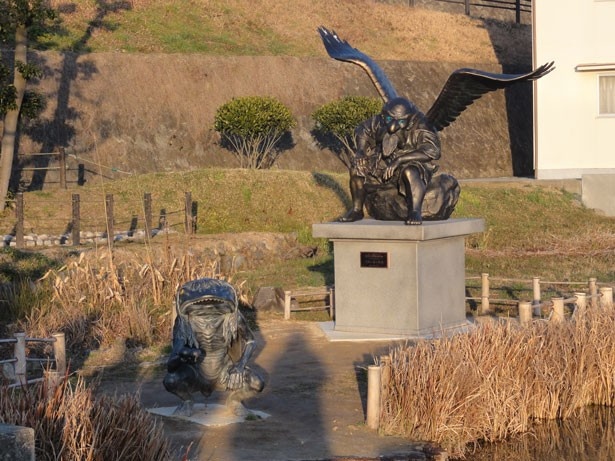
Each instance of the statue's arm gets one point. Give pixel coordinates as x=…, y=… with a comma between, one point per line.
x=249, y=343
x=184, y=350
x=426, y=150
x=174, y=359
x=237, y=372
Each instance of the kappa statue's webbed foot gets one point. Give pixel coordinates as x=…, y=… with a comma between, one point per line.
x=352, y=216
x=414, y=218
x=184, y=409
x=237, y=409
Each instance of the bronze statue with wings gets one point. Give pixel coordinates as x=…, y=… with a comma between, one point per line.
x=392, y=171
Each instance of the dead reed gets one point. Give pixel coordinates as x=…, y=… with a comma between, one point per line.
x=71, y=424
x=102, y=297
x=97, y=299
x=494, y=381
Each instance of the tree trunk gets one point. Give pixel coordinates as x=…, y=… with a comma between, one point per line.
x=11, y=118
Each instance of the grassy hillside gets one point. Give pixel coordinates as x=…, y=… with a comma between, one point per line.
x=532, y=230
x=278, y=28
x=523, y=223
x=133, y=86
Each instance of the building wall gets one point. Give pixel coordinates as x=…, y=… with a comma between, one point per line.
x=570, y=137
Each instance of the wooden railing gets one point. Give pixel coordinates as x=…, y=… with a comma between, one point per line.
x=589, y=292
x=309, y=299
x=576, y=295
x=56, y=364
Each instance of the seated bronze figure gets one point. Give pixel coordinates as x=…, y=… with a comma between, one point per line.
x=392, y=171
x=212, y=345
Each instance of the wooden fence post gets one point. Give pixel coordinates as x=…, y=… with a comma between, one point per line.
x=62, y=162
x=19, y=214
x=385, y=363
x=52, y=381
x=593, y=292
x=147, y=209
x=109, y=209
x=287, y=300
x=558, y=310
x=189, y=219
x=59, y=352
x=53, y=378
x=467, y=9
x=76, y=219
x=580, y=303
x=374, y=379
x=536, y=296
x=525, y=312
x=484, y=299
x=20, y=355
x=606, y=298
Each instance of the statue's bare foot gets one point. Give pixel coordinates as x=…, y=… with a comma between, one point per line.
x=352, y=216
x=184, y=408
x=414, y=219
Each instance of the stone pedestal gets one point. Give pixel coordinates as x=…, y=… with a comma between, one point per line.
x=400, y=280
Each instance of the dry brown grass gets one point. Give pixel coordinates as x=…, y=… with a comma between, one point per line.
x=273, y=27
x=493, y=382
x=71, y=424
x=102, y=297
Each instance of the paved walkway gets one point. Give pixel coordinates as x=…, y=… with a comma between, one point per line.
x=315, y=397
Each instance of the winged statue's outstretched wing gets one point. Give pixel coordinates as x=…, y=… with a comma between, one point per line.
x=342, y=51
x=464, y=86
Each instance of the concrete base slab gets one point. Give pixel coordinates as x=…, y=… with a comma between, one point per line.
x=599, y=192
x=210, y=415
x=333, y=335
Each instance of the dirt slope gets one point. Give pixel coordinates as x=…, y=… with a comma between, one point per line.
x=121, y=113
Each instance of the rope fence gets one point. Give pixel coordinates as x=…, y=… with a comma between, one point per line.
x=34, y=168
x=87, y=224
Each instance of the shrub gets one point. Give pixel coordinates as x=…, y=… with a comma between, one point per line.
x=341, y=117
x=253, y=127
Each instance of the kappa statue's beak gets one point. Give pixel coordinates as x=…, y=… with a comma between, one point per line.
x=389, y=144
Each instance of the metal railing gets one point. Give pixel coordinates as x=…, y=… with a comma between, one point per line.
x=518, y=6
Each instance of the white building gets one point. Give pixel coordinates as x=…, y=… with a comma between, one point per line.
x=574, y=106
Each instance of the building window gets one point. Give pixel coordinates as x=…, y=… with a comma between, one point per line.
x=606, y=90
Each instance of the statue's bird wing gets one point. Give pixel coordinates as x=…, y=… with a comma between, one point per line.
x=464, y=86
x=342, y=51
